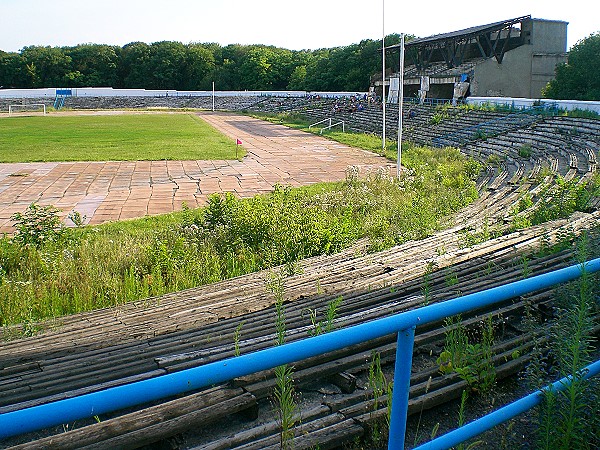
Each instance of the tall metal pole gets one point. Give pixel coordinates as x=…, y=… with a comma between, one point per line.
x=383, y=72
x=400, y=107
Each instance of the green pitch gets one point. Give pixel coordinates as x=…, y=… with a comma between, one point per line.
x=121, y=137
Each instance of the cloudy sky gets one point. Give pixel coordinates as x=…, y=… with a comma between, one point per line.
x=305, y=24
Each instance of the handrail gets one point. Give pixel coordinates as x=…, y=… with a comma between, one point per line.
x=331, y=124
x=88, y=405
x=341, y=122
x=505, y=413
x=320, y=121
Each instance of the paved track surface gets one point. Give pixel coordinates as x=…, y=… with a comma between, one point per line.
x=118, y=190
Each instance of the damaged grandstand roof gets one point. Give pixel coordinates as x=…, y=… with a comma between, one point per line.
x=467, y=33
x=458, y=47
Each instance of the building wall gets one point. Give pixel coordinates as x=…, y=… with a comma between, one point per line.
x=543, y=69
x=526, y=70
x=546, y=36
x=509, y=79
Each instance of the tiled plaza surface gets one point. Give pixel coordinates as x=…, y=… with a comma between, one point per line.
x=118, y=190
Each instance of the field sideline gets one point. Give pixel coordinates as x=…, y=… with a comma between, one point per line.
x=114, y=137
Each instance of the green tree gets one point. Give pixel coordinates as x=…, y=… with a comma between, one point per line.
x=93, y=65
x=228, y=61
x=133, y=66
x=12, y=71
x=166, y=65
x=199, y=66
x=579, y=78
x=173, y=65
x=45, y=66
x=298, y=79
x=318, y=71
x=257, y=70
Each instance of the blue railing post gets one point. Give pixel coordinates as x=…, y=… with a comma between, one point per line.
x=402, y=369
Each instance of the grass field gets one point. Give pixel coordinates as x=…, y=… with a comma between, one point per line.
x=122, y=137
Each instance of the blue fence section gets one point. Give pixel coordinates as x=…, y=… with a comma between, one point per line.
x=59, y=101
x=116, y=398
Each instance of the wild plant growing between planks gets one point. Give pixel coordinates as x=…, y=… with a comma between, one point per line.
x=461, y=421
x=380, y=388
x=327, y=325
x=236, y=338
x=284, y=392
x=569, y=419
x=471, y=361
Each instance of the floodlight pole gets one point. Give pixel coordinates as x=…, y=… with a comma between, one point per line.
x=383, y=72
x=400, y=107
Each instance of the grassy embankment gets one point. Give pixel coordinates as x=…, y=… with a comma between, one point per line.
x=83, y=269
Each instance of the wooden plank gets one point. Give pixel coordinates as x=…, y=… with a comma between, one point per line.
x=151, y=424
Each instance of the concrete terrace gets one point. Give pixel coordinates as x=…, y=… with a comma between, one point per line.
x=118, y=190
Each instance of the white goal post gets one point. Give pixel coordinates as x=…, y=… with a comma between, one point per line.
x=28, y=108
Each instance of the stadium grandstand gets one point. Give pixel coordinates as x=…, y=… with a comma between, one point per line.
x=510, y=58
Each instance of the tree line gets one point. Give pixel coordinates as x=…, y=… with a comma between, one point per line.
x=194, y=66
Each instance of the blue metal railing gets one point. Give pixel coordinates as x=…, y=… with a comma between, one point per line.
x=61, y=95
x=85, y=406
x=505, y=413
x=428, y=101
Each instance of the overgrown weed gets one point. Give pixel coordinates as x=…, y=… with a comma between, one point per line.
x=568, y=419
x=61, y=271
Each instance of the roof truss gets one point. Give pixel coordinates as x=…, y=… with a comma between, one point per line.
x=454, y=48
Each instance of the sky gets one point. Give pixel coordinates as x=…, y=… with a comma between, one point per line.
x=303, y=24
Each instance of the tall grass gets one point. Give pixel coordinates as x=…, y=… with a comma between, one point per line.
x=284, y=391
x=94, y=267
x=569, y=419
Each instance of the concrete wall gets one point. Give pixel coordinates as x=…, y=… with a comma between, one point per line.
x=567, y=105
x=509, y=79
x=547, y=36
x=543, y=69
x=110, y=92
x=526, y=70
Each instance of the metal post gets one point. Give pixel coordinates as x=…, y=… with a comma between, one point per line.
x=404, y=351
x=213, y=96
x=383, y=74
x=505, y=413
x=400, y=108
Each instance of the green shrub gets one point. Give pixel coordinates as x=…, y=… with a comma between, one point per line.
x=568, y=419
x=37, y=225
x=525, y=151
x=562, y=199
x=481, y=134
x=76, y=269
x=472, y=361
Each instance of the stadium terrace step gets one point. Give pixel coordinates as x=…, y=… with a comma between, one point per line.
x=92, y=351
